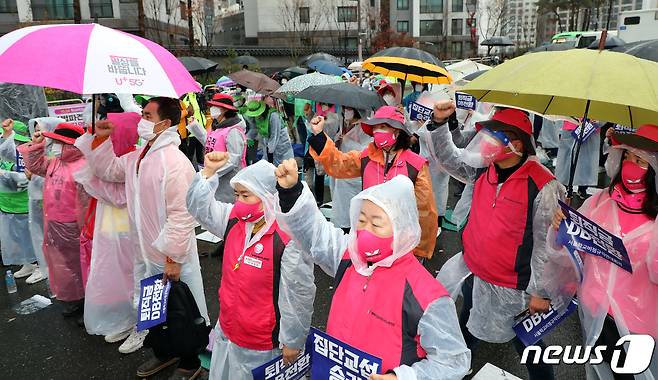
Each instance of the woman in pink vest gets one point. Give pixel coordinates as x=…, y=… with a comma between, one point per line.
x=386, y=303
x=614, y=302
x=226, y=134
x=267, y=290
x=387, y=156
x=64, y=206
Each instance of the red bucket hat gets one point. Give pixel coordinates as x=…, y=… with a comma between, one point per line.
x=65, y=132
x=645, y=138
x=223, y=100
x=511, y=120
x=388, y=115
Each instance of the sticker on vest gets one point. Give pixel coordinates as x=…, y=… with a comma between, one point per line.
x=258, y=249
x=254, y=262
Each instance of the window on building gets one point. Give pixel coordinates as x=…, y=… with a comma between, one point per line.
x=457, y=5
x=457, y=27
x=304, y=15
x=431, y=27
x=183, y=9
x=349, y=43
x=52, y=10
x=431, y=6
x=346, y=14
x=372, y=3
x=457, y=49
x=403, y=5
x=632, y=20
x=101, y=9
x=8, y=6
x=403, y=26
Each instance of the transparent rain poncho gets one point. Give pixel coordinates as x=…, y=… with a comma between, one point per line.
x=447, y=355
x=587, y=168
x=296, y=287
x=604, y=288
x=494, y=307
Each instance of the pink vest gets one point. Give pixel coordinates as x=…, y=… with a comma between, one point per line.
x=380, y=314
x=407, y=163
x=248, y=297
x=216, y=141
x=498, y=237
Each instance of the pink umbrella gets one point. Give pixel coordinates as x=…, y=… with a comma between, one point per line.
x=91, y=59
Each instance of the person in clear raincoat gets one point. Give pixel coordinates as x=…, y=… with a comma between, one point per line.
x=155, y=178
x=587, y=168
x=64, y=205
x=260, y=264
x=349, y=137
x=501, y=267
x=110, y=287
x=14, y=203
x=267, y=127
x=385, y=303
x=613, y=302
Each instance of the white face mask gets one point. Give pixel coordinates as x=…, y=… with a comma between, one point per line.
x=389, y=99
x=145, y=129
x=349, y=114
x=215, y=112
x=56, y=149
x=418, y=87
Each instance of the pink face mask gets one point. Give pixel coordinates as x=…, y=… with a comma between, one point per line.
x=633, y=176
x=384, y=139
x=633, y=201
x=247, y=212
x=372, y=248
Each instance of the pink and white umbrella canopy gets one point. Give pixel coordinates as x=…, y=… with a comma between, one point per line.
x=91, y=59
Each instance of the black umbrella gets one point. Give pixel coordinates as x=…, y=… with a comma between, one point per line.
x=642, y=49
x=343, y=94
x=198, y=65
x=474, y=75
x=293, y=71
x=318, y=56
x=610, y=42
x=497, y=41
x=552, y=47
x=246, y=60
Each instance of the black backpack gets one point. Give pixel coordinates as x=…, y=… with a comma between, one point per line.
x=185, y=332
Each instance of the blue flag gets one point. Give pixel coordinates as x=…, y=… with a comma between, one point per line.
x=590, y=128
x=581, y=234
x=153, y=299
x=532, y=328
x=419, y=112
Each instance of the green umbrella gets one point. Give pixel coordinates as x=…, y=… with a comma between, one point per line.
x=604, y=86
x=597, y=85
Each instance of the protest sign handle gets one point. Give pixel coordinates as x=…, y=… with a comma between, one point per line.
x=574, y=160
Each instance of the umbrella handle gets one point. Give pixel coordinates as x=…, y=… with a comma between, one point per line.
x=93, y=114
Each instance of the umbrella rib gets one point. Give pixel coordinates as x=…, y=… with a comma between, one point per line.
x=630, y=115
x=548, y=105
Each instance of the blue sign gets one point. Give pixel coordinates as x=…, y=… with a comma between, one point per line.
x=581, y=234
x=590, y=128
x=332, y=359
x=153, y=299
x=623, y=129
x=276, y=370
x=419, y=112
x=465, y=101
x=20, y=164
x=532, y=328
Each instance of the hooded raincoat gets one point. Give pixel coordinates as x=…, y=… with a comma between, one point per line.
x=387, y=287
x=605, y=289
x=294, y=290
x=64, y=205
x=587, y=168
x=154, y=179
x=110, y=286
x=14, y=206
x=494, y=306
x=342, y=165
x=277, y=143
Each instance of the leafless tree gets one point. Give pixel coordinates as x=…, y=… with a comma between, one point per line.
x=162, y=17
x=302, y=31
x=498, y=15
x=207, y=23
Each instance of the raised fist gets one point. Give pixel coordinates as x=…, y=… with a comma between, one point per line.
x=214, y=161
x=286, y=174
x=442, y=110
x=317, y=124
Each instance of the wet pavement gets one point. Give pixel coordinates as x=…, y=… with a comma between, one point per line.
x=44, y=345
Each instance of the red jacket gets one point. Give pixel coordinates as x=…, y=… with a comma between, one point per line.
x=498, y=237
x=248, y=297
x=380, y=314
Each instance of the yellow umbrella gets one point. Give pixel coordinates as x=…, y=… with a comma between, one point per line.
x=408, y=64
x=600, y=85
